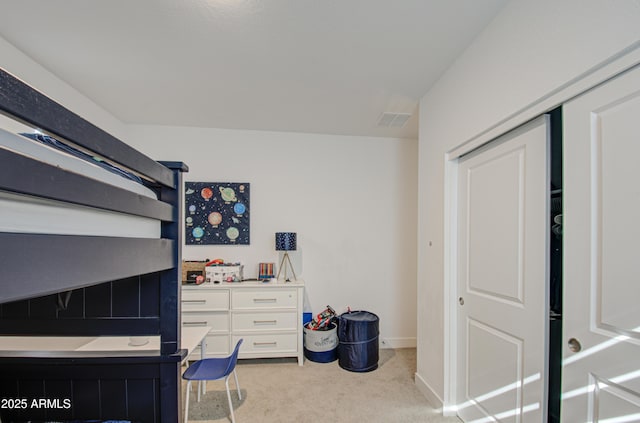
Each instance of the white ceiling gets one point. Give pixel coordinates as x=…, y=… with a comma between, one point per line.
x=319, y=66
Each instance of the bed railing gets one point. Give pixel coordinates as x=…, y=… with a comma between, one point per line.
x=29, y=106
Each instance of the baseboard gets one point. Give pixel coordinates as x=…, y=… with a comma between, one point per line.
x=394, y=343
x=431, y=396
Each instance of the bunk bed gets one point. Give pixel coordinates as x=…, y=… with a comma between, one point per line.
x=85, y=259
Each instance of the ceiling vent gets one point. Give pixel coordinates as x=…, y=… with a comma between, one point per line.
x=394, y=120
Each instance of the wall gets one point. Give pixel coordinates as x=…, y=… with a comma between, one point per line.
x=531, y=52
x=23, y=67
x=351, y=200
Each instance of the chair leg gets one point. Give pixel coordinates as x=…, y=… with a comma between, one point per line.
x=226, y=383
x=186, y=403
x=235, y=375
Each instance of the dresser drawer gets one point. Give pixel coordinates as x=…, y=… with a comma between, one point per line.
x=267, y=343
x=264, y=321
x=205, y=300
x=264, y=298
x=219, y=321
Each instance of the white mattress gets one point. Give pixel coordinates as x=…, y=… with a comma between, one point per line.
x=24, y=214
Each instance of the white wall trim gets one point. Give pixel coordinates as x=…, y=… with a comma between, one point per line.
x=614, y=65
x=394, y=343
x=428, y=392
x=451, y=280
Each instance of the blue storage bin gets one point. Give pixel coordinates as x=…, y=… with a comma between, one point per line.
x=358, y=334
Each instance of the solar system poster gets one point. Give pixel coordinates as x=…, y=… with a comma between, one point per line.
x=216, y=213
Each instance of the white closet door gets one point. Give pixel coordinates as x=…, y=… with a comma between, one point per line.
x=601, y=363
x=502, y=278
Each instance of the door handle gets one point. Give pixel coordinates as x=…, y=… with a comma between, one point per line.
x=461, y=301
x=574, y=345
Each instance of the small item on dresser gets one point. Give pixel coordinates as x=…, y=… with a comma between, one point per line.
x=192, y=269
x=193, y=276
x=265, y=271
x=223, y=272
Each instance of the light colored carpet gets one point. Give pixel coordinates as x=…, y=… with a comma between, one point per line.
x=278, y=390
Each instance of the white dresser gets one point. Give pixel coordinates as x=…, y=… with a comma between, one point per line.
x=268, y=316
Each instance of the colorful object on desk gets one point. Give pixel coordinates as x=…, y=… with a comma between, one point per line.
x=323, y=319
x=215, y=261
x=199, y=279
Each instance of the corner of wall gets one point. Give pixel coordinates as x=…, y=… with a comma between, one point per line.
x=428, y=392
x=31, y=72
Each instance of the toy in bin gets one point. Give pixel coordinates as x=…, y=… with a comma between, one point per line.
x=322, y=320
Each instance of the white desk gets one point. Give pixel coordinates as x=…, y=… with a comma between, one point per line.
x=98, y=346
x=192, y=337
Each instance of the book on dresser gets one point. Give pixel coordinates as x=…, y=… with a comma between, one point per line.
x=268, y=316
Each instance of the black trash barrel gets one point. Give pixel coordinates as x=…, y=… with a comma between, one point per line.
x=358, y=341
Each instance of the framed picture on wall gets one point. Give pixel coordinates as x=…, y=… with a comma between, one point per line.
x=216, y=213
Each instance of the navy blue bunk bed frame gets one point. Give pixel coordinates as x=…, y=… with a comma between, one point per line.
x=65, y=285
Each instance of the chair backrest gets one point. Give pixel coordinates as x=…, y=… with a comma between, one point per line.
x=233, y=358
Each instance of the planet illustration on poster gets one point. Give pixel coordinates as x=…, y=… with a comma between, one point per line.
x=197, y=232
x=239, y=208
x=206, y=193
x=215, y=218
x=233, y=233
x=228, y=194
x=217, y=213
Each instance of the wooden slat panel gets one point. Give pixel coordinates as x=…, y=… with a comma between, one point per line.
x=113, y=398
x=34, y=265
x=81, y=327
x=144, y=388
x=27, y=105
x=24, y=175
x=86, y=399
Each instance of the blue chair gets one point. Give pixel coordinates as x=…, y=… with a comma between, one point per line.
x=212, y=369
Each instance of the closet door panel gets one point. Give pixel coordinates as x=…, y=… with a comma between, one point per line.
x=601, y=356
x=502, y=278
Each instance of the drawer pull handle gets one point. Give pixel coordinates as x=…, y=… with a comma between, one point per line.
x=263, y=344
x=264, y=300
x=195, y=301
x=265, y=322
x=194, y=323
